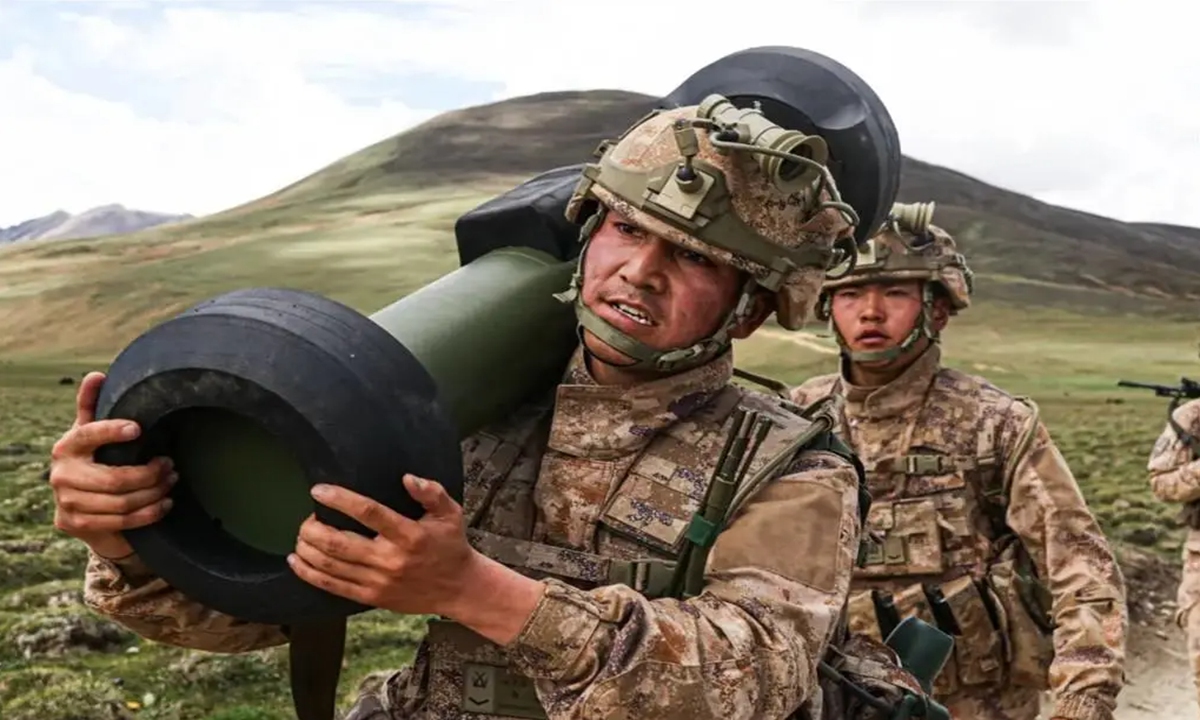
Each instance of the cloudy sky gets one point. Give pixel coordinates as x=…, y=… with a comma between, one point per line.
x=180, y=106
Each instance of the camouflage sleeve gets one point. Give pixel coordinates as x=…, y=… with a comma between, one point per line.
x=1048, y=512
x=1174, y=467
x=129, y=593
x=747, y=647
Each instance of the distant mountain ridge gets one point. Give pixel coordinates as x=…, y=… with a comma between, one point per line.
x=1066, y=253
x=111, y=219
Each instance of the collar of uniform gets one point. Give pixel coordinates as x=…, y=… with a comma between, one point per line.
x=603, y=422
x=896, y=397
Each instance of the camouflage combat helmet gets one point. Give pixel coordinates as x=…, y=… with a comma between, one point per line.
x=907, y=247
x=731, y=185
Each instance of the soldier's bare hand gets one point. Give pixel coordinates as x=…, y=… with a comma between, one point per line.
x=95, y=502
x=411, y=566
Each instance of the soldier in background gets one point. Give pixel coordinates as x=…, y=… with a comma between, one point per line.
x=556, y=578
x=1174, y=469
x=977, y=521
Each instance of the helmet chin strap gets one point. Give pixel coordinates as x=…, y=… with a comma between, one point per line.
x=924, y=327
x=643, y=356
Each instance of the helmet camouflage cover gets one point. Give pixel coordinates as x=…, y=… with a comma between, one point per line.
x=684, y=176
x=907, y=247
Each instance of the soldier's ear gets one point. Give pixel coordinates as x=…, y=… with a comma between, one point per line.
x=941, y=311
x=762, y=305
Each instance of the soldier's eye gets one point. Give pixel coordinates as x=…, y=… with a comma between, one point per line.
x=627, y=229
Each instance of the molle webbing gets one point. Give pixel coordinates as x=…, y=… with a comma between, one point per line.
x=650, y=577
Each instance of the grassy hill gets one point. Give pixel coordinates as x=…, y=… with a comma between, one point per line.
x=1067, y=303
x=376, y=224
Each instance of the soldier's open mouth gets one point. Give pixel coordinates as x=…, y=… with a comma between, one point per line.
x=635, y=314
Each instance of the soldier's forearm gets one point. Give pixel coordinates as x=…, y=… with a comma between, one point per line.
x=1090, y=615
x=1087, y=672
x=1100, y=705
x=128, y=593
x=1180, y=485
x=498, y=601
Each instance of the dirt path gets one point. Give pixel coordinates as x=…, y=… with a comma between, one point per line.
x=1159, y=685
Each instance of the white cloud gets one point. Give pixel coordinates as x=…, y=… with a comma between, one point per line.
x=1083, y=104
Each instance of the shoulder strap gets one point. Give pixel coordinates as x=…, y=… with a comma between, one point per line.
x=727, y=492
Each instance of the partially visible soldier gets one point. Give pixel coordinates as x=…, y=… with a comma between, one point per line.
x=577, y=507
x=1175, y=477
x=978, y=523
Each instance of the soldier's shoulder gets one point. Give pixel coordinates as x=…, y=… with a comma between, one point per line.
x=1188, y=415
x=813, y=389
x=955, y=386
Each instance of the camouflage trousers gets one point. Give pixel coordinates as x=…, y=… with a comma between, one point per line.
x=1191, y=628
x=1188, y=615
x=997, y=704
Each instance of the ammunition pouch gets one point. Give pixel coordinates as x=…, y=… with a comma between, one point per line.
x=911, y=543
x=963, y=608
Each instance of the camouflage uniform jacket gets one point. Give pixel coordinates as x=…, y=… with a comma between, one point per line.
x=1175, y=477
x=602, y=475
x=1174, y=467
x=958, y=469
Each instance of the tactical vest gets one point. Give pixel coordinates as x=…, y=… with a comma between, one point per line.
x=939, y=547
x=642, y=529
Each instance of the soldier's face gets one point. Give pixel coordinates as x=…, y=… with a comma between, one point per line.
x=659, y=293
x=876, y=316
